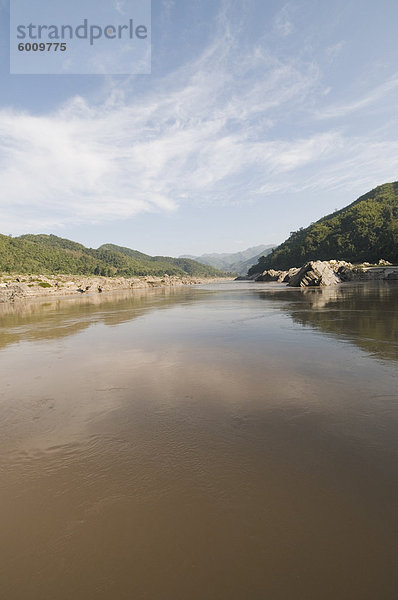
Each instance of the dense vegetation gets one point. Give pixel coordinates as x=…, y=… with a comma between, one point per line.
x=49, y=254
x=366, y=230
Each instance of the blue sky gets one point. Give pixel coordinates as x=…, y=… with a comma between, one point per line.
x=259, y=117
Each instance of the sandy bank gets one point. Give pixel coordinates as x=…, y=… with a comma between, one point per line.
x=15, y=287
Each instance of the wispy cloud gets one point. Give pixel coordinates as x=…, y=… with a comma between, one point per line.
x=333, y=51
x=197, y=137
x=283, y=22
x=375, y=95
x=120, y=7
x=214, y=131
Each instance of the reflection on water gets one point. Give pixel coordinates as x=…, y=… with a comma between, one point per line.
x=52, y=318
x=364, y=314
x=231, y=441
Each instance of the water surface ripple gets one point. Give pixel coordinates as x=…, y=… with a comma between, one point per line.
x=234, y=440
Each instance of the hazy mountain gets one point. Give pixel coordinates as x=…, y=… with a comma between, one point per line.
x=236, y=262
x=51, y=254
x=366, y=230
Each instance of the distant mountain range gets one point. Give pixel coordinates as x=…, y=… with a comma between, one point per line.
x=237, y=262
x=49, y=254
x=366, y=230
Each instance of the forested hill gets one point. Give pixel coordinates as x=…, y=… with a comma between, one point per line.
x=366, y=230
x=49, y=254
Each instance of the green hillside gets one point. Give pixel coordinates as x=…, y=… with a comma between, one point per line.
x=49, y=254
x=366, y=230
x=188, y=266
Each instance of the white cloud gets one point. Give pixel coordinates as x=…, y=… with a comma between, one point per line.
x=283, y=22
x=206, y=133
x=372, y=97
x=334, y=162
x=120, y=7
x=333, y=51
x=192, y=138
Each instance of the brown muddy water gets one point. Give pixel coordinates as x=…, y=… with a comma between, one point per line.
x=234, y=441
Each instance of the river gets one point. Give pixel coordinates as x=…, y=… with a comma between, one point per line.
x=231, y=441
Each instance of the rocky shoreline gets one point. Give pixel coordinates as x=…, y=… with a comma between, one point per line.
x=18, y=287
x=325, y=273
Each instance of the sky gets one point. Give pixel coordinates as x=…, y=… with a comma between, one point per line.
x=258, y=117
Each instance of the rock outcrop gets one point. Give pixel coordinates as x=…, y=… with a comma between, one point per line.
x=325, y=273
x=270, y=275
x=315, y=274
x=279, y=276
x=26, y=286
x=289, y=274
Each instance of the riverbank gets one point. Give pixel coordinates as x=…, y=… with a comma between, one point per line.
x=17, y=287
x=325, y=273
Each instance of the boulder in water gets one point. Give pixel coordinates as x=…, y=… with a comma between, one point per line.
x=316, y=273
